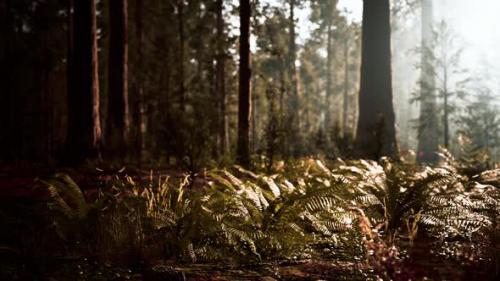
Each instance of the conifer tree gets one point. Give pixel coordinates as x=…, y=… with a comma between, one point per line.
x=376, y=132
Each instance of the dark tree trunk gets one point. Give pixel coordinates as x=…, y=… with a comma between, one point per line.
x=6, y=122
x=345, y=113
x=253, y=117
x=70, y=47
x=118, y=123
x=293, y=122
x=376, y=133
x=46, y=120
x=446, y=110
x=220, y=80
x=180, y=19
x=428, y=133
x=141, y=116
x=243, y=149
x=283, y=144
x=84, y=129
x=329, y=77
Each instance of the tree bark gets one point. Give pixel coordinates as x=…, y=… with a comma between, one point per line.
x=376, y=133
x=428, y=130
x=7, y=122
x=180, y=19
x=294, y=134
x=84, y=128
x=446, y=116
x=329, y=76
x=243, y=147
x=70, y=46
x=141, y=107
x=220, y=80
x=118, y=122
x=345, y=113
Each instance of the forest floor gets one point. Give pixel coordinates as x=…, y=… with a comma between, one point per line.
x=424, y=260
x=424, y=267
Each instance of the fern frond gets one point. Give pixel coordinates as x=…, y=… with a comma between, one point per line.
x=67, y=196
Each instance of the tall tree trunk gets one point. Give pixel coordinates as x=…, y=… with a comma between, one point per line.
x=220, y=80
x=428, y=121
x=70, y=46
x=243, y=148
x=329, y=77
x=293, y=122
x=141, y=107
x=253, y=117
x=46, y=110
x=345, y=113
x=283, y=144
x=84, y=128
x=180, y=22
x=118, y=122
x=376, y=132
x=6, y=138
x=446, y=116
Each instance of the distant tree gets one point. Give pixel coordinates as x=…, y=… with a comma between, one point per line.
x=182, y=104
x=84, y=128
x=270, y=68
x=376, y=133
x=311, y=67
x=345, y=97
x=141, y=125
x=154, y=53
x=243, y=148
x=444, y=79
x=452, y=79
x=201, y=117
x=405, y=20
x=220, y=79
x=294, y=136
x=479, y=125
x=182, y=46
x=403, y=8
x=326, y=14
x=275, y=62
x=272, y=131
x=330, y=56
x=350, y=46
x=118, y=119
x=428, y=139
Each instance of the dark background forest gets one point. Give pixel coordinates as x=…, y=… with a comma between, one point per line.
x=165, y=83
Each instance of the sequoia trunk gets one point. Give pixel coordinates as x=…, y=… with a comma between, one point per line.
x=376, y=132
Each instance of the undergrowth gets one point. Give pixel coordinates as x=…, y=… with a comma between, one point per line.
x=358, y=210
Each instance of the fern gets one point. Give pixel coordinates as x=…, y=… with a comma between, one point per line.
x=66, y=196
x=241, y=215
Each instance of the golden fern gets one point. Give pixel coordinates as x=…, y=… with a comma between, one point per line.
x=243, y=215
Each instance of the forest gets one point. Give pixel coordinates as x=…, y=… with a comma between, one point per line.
x=249, y=140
